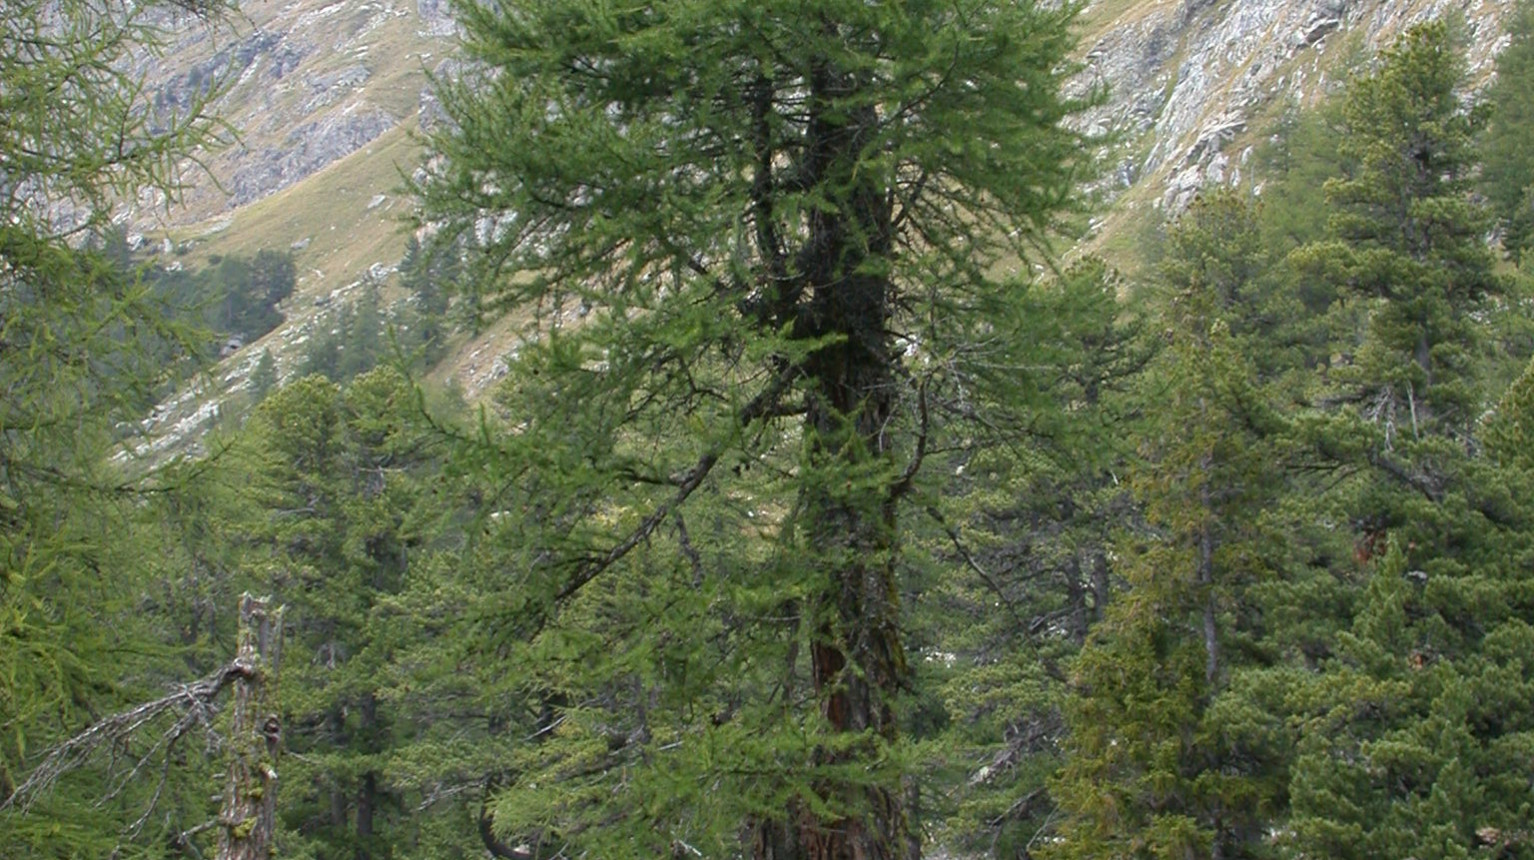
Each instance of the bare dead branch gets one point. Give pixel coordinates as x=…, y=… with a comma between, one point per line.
x=194, y=701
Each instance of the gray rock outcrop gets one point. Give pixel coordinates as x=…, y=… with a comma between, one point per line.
x=1186, y=78
x=307, y=149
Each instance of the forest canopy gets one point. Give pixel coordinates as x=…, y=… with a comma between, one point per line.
x=832, y=505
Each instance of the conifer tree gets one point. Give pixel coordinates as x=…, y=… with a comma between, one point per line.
x=1402, y=745
x=322, y=352
x=263, y=377
x=1507, y=173
x=430, y=273
x=1152, y=769
x=753, y=245
x=337, y=473
x=1021, y=566
x=1408, y=242
x=1409, y=252
x=78, y=136
x=362, y=334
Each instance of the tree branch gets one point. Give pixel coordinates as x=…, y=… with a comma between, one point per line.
x=196, y=698
x=763, y=405
x=903, y=485
x=1050, y=666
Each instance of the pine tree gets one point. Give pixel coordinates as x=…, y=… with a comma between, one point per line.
x=362, y=335
x=337, y=473
x=1401, y=705
x=1408, y=385
x=1153, y=768
x=1509, y=431
x=1408, y=239
x=430, y=274
x=1021, y=562
x=780, y=223
x=273, y=275
x=1507, y=171
x=322, y=351
x=263, y=377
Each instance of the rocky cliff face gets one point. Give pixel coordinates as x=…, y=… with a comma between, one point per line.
x=323, y=97
x=1188, y=79
x=315, y=81
x=308, y=83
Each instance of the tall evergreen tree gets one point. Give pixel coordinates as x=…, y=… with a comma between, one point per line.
x=782, y=224
x=78, y=136
x=1153, y=771
x=1023, y=561
x=1507, y=173
x=338, y=477
x=263, y=377
x=362, y=334
x=431, y=274
x=1401, y=749
x=1408, y=238
x=322, y=351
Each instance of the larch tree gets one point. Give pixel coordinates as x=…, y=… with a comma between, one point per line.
x=79, y=137
x=759, y=249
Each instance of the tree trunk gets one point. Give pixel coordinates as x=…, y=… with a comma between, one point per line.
x=856, y=658
x=1076, y=599
x=367, y=799
x=248, y=818
x=1101, y=585
x=367, y=793
x=1206, y=574
x=1424, y=356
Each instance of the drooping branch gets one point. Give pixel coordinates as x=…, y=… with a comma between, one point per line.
x=193, y=705
x=908, y=476
x=763, y=405
x=1051, y=667
x=193, y=702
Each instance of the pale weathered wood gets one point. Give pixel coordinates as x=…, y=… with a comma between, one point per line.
x=248, y=819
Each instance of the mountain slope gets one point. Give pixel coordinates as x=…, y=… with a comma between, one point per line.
x=325, y=97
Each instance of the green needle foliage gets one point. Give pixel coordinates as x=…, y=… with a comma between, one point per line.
x=78, y=136
x=340, y=477
x=1019, y=567
x=1507, y=172
x=754, y=247
x=808, y=524
x=1153, y=771
x=1408, y=240
x=1406, y=734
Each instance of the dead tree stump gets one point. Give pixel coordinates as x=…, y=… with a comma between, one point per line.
x=248, y=818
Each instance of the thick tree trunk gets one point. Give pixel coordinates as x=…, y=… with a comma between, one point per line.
x=856, y=658
x=248, y=818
